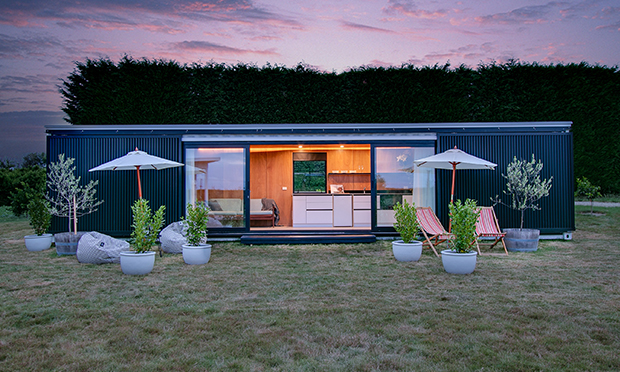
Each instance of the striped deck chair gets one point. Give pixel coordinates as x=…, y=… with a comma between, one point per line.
x=431, y=228
x=487, y=226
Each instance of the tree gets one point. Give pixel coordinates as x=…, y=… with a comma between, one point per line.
x=67, y=198
x=523, y=183
x=7, y=164
x=35, y=159
x=586, y=189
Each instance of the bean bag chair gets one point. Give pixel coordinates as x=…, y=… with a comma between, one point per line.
x=97, y=248
x=172, y=237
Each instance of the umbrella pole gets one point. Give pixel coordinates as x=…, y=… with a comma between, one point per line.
x=139, y=184
x=453, y=174
x=452, y=194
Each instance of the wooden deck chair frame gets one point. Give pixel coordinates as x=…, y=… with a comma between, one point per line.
x=488, y=226
x=431, y=228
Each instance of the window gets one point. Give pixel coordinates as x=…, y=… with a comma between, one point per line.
x=398, y=179
x=309, y=171
x=216, y=176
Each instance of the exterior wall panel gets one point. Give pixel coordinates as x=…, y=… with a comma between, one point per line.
x=556, y=214
x=119, y=189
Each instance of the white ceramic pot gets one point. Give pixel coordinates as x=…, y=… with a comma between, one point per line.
x=196, y=254
x=36, y=243
x=406, y=251
x=133, y=263
x=458, y=263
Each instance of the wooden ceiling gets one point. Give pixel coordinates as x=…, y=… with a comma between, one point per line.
x=323, y=147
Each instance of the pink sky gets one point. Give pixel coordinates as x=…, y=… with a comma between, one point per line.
x=41, y=39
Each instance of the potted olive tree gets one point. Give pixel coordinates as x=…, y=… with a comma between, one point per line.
x=146, y=227
x=408, y=248
x=460, y=258
x=525, y=187
x=40, y=219
x=196, y=251
x=68, y=199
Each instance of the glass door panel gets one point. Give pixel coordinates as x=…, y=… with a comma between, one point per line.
x=397, y=179
x=216, y=176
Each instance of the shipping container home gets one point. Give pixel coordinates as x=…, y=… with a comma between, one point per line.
x=330, y=179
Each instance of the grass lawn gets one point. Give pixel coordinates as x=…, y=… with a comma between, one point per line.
x=316, y=308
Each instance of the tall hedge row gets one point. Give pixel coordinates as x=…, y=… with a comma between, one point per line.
x=164, y=92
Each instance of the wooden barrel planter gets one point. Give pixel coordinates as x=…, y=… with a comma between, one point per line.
x=521, y=240
x=67, y=243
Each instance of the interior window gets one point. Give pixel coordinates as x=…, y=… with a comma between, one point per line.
x=309, y=172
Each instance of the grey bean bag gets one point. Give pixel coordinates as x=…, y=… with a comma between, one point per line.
x=97, y=248
x=172, y=237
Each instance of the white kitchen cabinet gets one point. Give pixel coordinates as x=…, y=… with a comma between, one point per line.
x=343, y=210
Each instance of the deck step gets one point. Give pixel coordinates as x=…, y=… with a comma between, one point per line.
x=307, y=238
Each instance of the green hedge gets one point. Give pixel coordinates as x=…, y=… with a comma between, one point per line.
x=164, y=92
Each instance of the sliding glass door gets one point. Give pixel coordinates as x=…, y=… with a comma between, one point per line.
x=216, y=177
x=397, y=179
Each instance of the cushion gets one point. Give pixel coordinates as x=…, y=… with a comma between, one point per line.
x=214, y=205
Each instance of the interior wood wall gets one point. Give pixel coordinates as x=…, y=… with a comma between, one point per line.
x=271, y=171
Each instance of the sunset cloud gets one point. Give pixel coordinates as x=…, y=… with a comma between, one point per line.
x=359, y=27
x=408, y=8
x=523, y=15
x=204, y=47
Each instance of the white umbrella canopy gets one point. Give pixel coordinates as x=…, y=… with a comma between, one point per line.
x=137, y=160
x=454, y=159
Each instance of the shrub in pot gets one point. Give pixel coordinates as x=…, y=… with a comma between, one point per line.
x=525, y=187
x=460, y=258
x=196, y=251
x=408, y=248
x=40, y=219
x=146, y=227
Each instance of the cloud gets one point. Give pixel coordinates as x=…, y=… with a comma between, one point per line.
x=359, y=27
x=409, y=9
x=523, y=15
x=469, y=54
x=15, y=48
x=208, y=47
x=613, y=27
x=156, y=16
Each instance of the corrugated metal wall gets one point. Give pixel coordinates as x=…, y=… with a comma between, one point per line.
x=119, y=189
x=556, y=214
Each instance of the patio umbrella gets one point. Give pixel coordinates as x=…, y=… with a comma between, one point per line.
x=454, y=159
x=137, y=160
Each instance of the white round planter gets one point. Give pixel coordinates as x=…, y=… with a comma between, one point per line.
x=196, y=254
x=36, y=243
x=406, y=251
x=458, y=263
x=133, y=263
